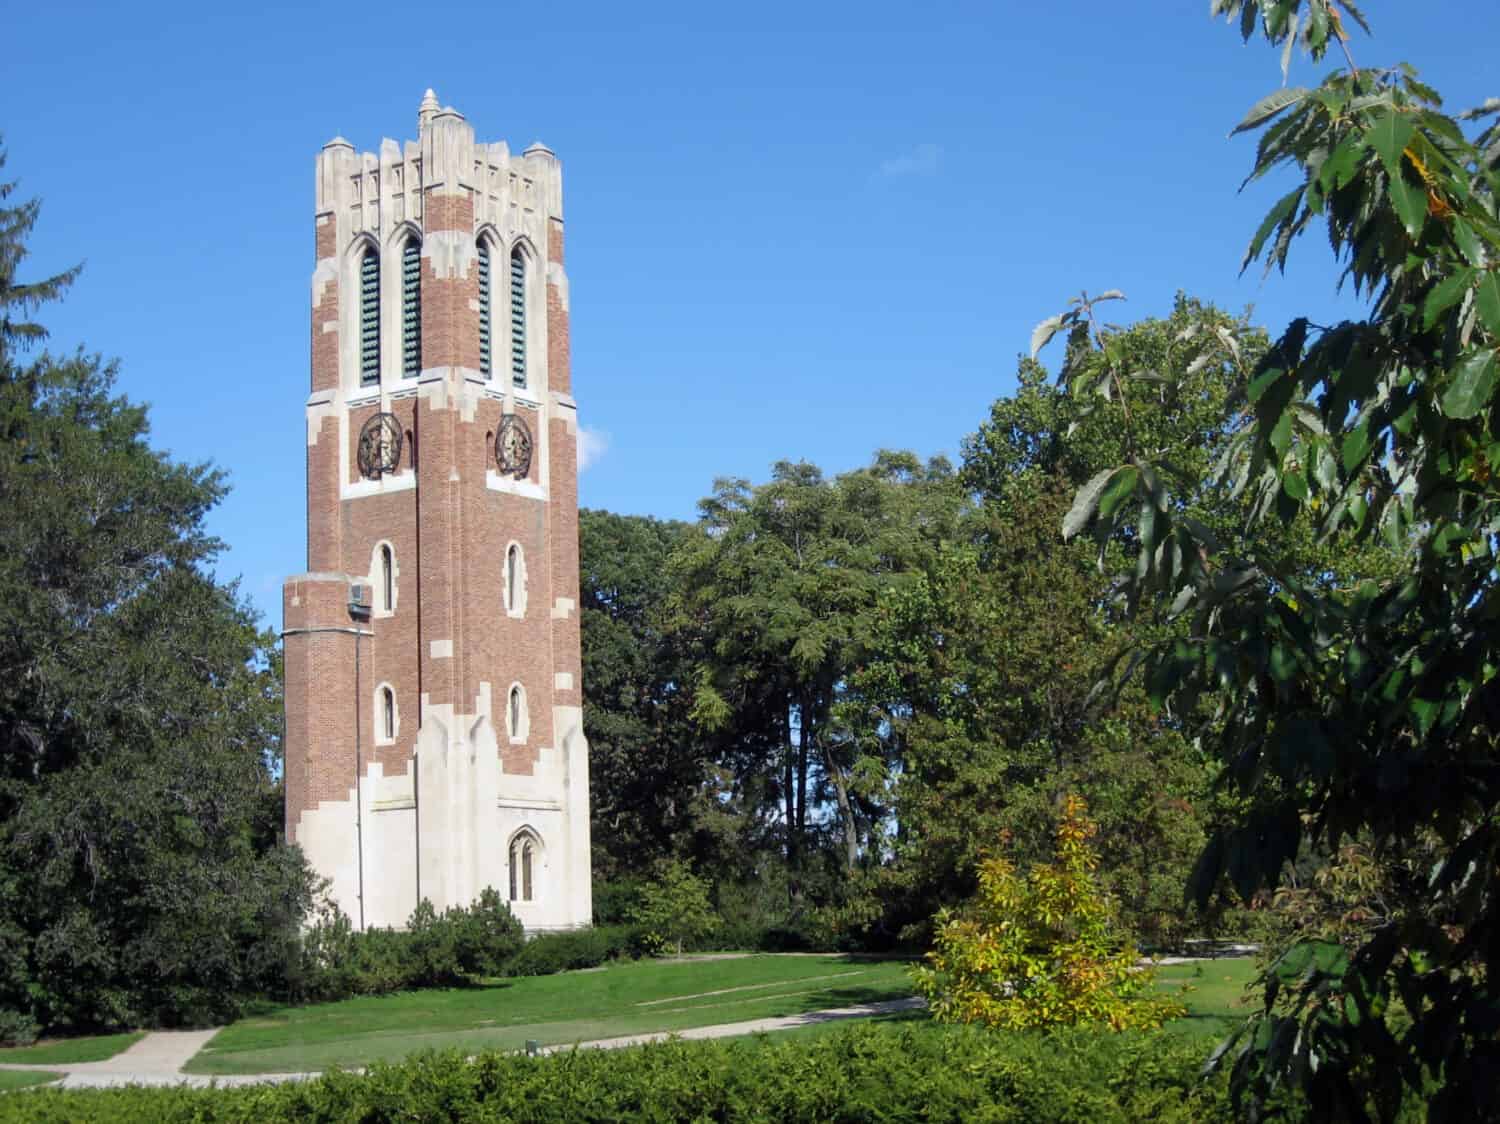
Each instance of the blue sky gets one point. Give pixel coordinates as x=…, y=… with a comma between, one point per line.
x=794, y=230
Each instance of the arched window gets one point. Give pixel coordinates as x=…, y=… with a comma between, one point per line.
x=387, y=579
x=525, y=854
x=411, y=309
x=515, y=592
x=484, y=308
x=518, y=317
x=516, y=719
x=388, y=714
x=369, y=318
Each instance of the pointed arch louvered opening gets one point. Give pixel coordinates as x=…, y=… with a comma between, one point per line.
x=411, y=309
x=485, y=362
x=518, y=318
x=369, y=318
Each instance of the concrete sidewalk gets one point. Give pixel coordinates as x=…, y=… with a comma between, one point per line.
x=158, y=1058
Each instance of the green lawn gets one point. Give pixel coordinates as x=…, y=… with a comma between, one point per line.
x=95, y=1048
x=24, y=1078
x=1214, y=993
x=652, y=995
x=1214, y=997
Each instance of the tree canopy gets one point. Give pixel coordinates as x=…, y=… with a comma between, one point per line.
x=1359, y=712
x=141, y=876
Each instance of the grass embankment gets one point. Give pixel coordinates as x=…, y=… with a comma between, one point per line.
x=638, y=998
x=62, y=1051
x=24, y=1078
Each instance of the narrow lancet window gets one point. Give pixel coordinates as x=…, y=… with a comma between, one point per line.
x=513, y=579
x=515, y=712
x=484, y=308
x=388, y=713
x=387, y=580
x=369, y=319
x=411, y=309
x=517, y=318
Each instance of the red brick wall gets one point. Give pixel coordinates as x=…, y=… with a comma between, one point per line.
x=449, y=533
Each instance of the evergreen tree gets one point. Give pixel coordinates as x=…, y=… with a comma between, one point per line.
x=141, y=875
x=19, y=300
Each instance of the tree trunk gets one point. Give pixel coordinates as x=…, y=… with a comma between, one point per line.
x=793, y=851
x=846, y=810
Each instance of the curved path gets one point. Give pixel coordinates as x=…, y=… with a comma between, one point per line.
x=158, y=1058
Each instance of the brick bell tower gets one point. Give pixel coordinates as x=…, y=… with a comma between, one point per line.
x=434, y=737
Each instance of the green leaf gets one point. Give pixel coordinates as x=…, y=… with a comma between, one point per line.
x=1487, y=301
x=1473, y=384
x=1444, y=295
x=1410, y=203
x=1042, y=334
x=1338, y=169
x=1467, y=241
x=1121, y=487
x=1389, y=136
x=1085, y=503
x=1283, y=210
x=1269, y=106
x=1295, y=485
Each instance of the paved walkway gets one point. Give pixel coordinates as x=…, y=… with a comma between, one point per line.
x=158, y=1058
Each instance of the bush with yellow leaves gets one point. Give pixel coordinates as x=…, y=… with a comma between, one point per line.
x=1041, y=949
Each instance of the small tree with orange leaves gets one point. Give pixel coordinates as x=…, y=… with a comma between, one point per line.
x=1041, y=949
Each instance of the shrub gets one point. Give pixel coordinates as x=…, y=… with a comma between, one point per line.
x=17, y=1028
x=547, y=953
x=1041, y=950
x=435, y=950
x=673, y=909
x=908, y=1071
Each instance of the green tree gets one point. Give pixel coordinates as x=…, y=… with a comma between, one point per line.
x=782, y=581
x=19, y=299
x=1041, y=949
x=1359, y=711
x=649, y=765
x=140, y=879
x=673, y=908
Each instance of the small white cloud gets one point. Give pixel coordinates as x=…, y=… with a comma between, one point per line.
x=920, y=161
x=592, y=444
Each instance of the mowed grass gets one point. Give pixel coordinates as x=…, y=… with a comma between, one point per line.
x=94, y=1048
x=1213, y=992
x=634, y=998
x=24, y=1078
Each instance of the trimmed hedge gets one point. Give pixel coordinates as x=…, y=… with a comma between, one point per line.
x=547, y=953
x=890, y=1072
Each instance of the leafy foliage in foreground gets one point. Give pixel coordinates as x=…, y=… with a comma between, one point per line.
x=1042, y=949
x=901, y=1072
x=1360, y=712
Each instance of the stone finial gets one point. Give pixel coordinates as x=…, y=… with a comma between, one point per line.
x=426, y=110
x=338, y=142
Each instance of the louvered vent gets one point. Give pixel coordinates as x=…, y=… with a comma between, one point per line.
x=369, y=319
x=411, y=309
x=484, y=309
x=517, y=319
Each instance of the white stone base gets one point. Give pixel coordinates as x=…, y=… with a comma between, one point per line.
x=443, y=829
